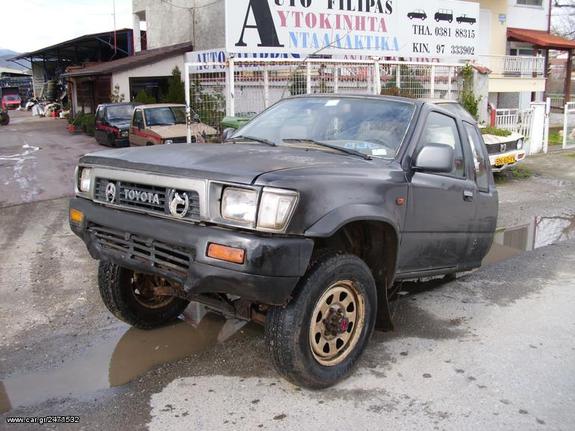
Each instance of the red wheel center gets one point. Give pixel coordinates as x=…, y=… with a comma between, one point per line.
x=344, y=324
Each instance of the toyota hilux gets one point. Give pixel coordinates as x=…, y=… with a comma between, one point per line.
x=304, y=220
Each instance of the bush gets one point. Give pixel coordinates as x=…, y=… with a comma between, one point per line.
x=88, y=124
x=144, y=98
x=495, y=131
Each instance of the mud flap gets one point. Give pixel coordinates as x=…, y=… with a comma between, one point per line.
x=384, y=318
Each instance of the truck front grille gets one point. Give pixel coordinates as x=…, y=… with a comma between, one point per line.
x=143, y=197
x=501, y=148
x=158, y=254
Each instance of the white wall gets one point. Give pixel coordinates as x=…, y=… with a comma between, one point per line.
x=529, y=17
x=160, y=68
x=170, y=23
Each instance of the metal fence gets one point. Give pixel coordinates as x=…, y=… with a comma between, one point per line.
x=569, y=126
x=245, y=87
x=515, y=120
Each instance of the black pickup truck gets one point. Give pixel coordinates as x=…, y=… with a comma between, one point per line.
x=303, y=220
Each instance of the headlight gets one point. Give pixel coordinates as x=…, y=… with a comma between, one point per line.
x=239, y=205
x=85, y=180
x=168, y=142
x=520, y=144
x=125, y=134
x=276, y=207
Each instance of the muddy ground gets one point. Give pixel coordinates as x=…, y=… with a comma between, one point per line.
x=492, y=350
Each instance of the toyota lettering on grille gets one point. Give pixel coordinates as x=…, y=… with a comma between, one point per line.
x=139, y=196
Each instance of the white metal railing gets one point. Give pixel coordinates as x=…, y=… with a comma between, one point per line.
x=514, y=66
x=558, y=100
x=515, y=120
x=241, y=85
x=569, y=126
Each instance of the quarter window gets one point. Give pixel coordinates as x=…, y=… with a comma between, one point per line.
x=441, y=129
x=479, y=160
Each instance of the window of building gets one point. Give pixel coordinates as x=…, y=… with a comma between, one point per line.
x=530, y=2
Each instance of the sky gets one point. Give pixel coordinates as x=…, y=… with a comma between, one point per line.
x=40, y=23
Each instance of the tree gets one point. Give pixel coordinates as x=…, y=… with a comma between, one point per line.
x=563, y=18
x=176, y=89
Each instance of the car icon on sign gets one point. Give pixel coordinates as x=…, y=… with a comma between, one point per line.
x=417, y=14
x=444, y=15
x=465, y=19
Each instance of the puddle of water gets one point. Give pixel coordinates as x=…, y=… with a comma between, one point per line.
x=540, y=232
x=116, y=361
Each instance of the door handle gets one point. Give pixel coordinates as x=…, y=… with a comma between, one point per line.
x=468, y=195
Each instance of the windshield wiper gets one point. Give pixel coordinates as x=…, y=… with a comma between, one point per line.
x=333, y=147
x=255, y=139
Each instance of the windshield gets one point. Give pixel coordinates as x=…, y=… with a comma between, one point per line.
x=12, y=98
x=166, y=116
x=369, y=126
x=120, y=112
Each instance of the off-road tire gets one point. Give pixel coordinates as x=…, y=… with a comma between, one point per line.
x=115, y=290
x=288, y=328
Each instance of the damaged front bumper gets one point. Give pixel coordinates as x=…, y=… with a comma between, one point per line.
x=177, y=251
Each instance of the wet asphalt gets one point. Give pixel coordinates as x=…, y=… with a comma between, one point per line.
x=494, y=349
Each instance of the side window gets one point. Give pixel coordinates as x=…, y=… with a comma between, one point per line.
x=100, y=114
x=441, y=129
x=138, y=118
x=480, y=162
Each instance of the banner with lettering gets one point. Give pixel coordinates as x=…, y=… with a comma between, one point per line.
x=382, y=28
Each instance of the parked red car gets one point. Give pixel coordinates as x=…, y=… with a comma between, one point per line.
x=11, y=101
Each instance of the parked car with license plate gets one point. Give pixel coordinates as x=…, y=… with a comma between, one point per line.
x=305, y=220
x=113, y=124
x=165, y=124
x=505, y=151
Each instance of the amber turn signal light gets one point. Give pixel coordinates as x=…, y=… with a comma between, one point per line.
x=76, y=216
x=225, y=253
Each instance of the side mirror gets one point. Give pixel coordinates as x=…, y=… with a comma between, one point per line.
x=435, y=158
x=227, y=134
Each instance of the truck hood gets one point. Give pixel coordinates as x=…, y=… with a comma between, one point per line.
x=237, y=163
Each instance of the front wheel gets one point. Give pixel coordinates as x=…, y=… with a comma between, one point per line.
x=316, y=340
x=132, y=297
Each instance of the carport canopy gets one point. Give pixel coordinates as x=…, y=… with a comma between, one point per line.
x=542, y=39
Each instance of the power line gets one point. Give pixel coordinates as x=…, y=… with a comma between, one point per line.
x=193, y=7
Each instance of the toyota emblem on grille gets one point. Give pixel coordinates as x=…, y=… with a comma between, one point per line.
x=111, y=193
x=179, y=203
x=503, y=147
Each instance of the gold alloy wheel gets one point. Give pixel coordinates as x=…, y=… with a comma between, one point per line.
x=336, y=324
x=144, y=288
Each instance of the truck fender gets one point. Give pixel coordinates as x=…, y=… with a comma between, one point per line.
x=333, y=221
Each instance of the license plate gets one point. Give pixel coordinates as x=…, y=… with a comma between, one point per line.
x=505, y=160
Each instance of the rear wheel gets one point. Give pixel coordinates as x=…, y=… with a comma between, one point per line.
x=132, y=297
x=317, y=339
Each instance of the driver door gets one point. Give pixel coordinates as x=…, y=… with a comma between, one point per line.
x=137, y=129
x=440, y=206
